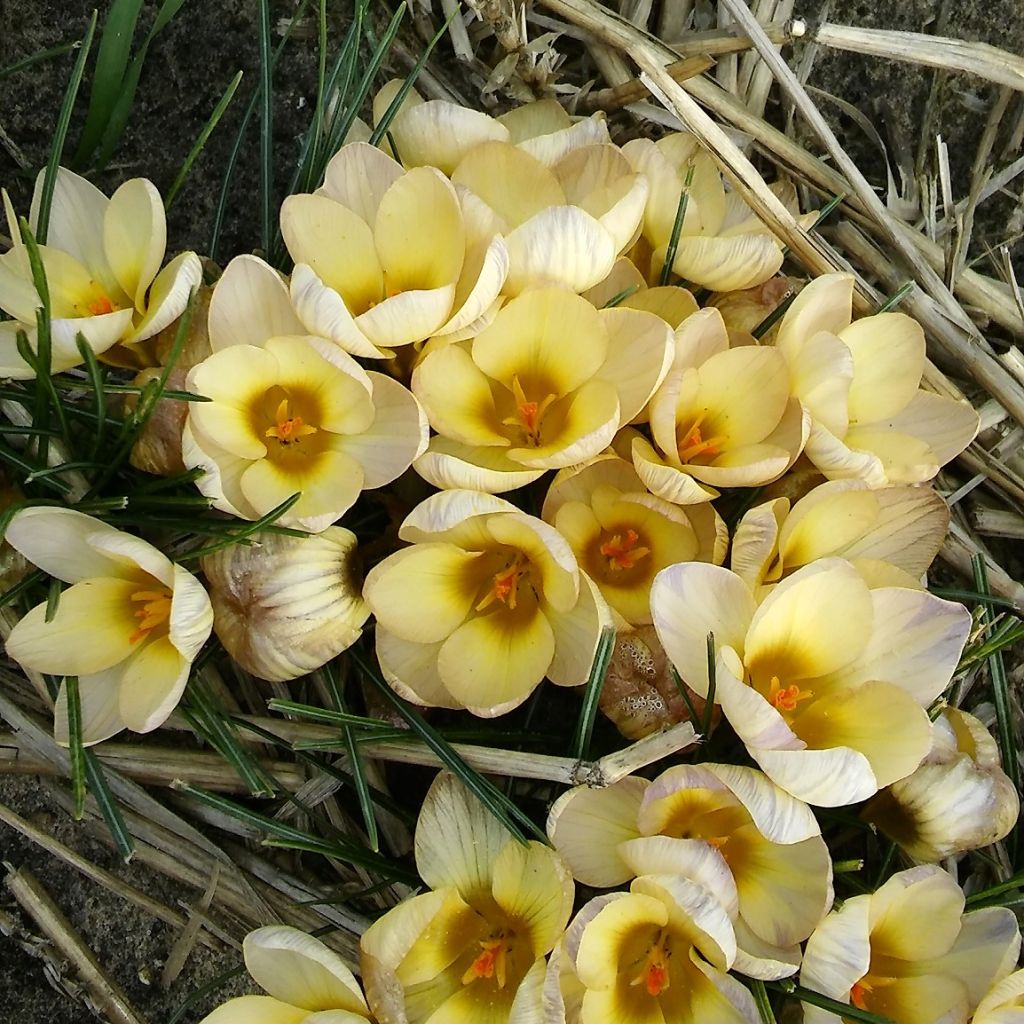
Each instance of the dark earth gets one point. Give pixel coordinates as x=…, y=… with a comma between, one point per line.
x=189, y=66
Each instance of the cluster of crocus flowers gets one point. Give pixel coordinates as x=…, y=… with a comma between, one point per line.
x=102, y=261
x=128, y=627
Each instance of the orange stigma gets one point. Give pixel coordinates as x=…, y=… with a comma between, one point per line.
x=155, y=611
x=655, y=976
x=505, y=587
x=100, y=305
x=786, y=698
x=623, y=553
x=288, y=429
x=692, y=443
x=858, y=994
x=529, y=414
x=490, y=962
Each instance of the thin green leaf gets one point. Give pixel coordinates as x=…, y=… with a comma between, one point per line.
x=844, y=1010
x=266, y=129
x=200, y=996
x=709, y=707
x=774, y=316
x=677, y=226
x=75, y=749
x=218, y=112
x=19, y=588
x=52, y=600
x=108, y=806
x=486, y=792
x=621, y=297
x=316, y=128
x=984, y=895
x=592, y=694
x=957, y=594
x=764, y=1006
x=25, y=467
x=112, y=57
x=97, y=380
x=250, y=529
x=61, y=131
x=315, y=714
x=39, y=56
x=894, y=300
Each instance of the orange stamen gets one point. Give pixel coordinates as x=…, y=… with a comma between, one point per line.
x=505, y=587
x=655, y=976
x=490, y=963
x=100, y=306
x=858, y=994
x=623, y=554
x=288, y=429
x=529, y=414
x=155, y=610
x=786, y=698
x=693, y=443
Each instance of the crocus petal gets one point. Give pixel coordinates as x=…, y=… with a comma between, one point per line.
x=168, y=296
x=690, y=601
x=888, y=359
x=563, y=246
x=823, y=305
x=410, y=669
x=667, y=482
x=323, y=313
x=825, y=778
x=928, y=1000
x=838, y=954
x=724, y=264
x=135, y=237
x=906, y=899
x=337, y=244
x=986, y=949
x=191, y=618
x=492, y=663
x=905, y=459
x=457, y=839
x=697, y=861
x=837, y=461
x=587, y=825
x=90, y=631
x=154, y=681
x=255, y=1010
x=821, y=375
x=439, y=134
x=101, y=333
x=759, y=959
x=249, y=305
x=531, y=120
x=597, y=961
x=639, y=355
x=551, y=146
x=755, y=544
x=448, y=511
x=99, y=696
x=945, y=425
x=577, y=633
x=532, y=884
x=357, y=176
x=450, y=464
x=407, y=317
x=300, y=970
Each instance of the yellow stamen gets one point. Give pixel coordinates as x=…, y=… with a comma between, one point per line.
x=693, y=444
x=623, y=554
x=155, y=611
x=490, y=963
x=786, y=698
x=529, y=414
x=505, y=587
x=288, y=429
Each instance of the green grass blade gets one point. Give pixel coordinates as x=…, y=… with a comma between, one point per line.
x=97, y=380
x=108, y=806
x=503, y=809
x=764, y=1007
x=38, y=57
x=677, y=227
x=894, y=300
x=248, y=530
x=316, y=128
x=592, y=694
x=75, y=749
x=201, y=140
x=709, y=707
x=112, y=56
x=774, y=316
x=60, y=133
x=266, y=130
x=326, y=715
x=844, y=1010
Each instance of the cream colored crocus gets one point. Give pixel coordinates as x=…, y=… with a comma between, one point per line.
x=825, y=681
x=305, y=980
x=657, y=953
x=385, y=257
x=472, y=948
x=546, y=385
x=622, y=535
x=725, y=827
x=861, y=383
x=1003, y=1003
x=284, y=606
x=723, y=417
x=889, y=534
x=721, y=245
x=909, y=953
x=288, y=413
x=959, y=799
x=129, y=626
x=102, y=260
x=484, y=603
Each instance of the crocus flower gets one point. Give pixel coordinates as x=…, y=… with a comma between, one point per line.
x=625, y=286
x=825, y=681
x=622, y=535
x=722, y=245
x=385, y=257
x=290, y=413
x=1003, y=1003
x=657, y=953
x=484, y=604
x=473, y=947
x=722, y=417
x=860, y=382
x=959, y=799
x=725, y=827
x=102, y=261
x=128, y=627
x=306, y=983
x=908, y=952
x=546, y=385
x=888, y=534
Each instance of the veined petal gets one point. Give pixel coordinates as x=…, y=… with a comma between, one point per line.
x=532, y=884
x=821, y=375
x=826, y=521
x=450, y=464
x=561, y=246
x=135, y=237
x=99, y=697
x=447, y=511
x=587, y=826
x=407, y=317
x=90, y=632
x=747, y=391
x=168, y=296
x=300, y=970
x=577, y=633
x=191, y=618
x=666, y=481
x=410, y=669
x=154, y=681
x=688, y=602
x=945, y=425
x=357, y=176
x=492, y=663
x=908, y=898
x=337, y=244
x=755, y=544
x=255, y=1010
x=483, y=274
x=133, y=553
x=249, y=305
x=756, y=721
x=905, y=459
x=440, y=134
x=838, y=954
x=759, y=959
x=724, y=264
x=835, y=777
x=324, y=314
x=551, y=146
x=438, y=577
x=823, y=305
x=888, y=360
x=837, y=461
x=640, y=352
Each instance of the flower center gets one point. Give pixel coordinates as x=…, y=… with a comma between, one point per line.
x=654, y=973
x=622, y=552
x=786, y=698
x=529, y=415
x=491, y=961
x=862, y=990
x=288, y=429
x=155, y=611
x=505, y=585
x=100, y=306
x=692, y=443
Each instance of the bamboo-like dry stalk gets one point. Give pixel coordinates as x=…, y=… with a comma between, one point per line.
x=634, y=90
x=981, y=59
x=994, y=522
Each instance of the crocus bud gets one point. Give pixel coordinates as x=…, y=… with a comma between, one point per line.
x=286, y=605
x=959, y=799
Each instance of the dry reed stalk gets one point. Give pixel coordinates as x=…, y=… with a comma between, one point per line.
x=104, y=992
x=994, y=522
x=634, y=90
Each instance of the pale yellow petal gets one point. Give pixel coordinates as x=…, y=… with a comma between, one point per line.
x=837, y=461
x=154, y=681
x=249, y=305
x=888, y=360
x=553, y=566
x=447, y=511
x=904, y=902
x=821, y=375
x=666, y=481
x=450, y=464
x=987, y=948
x=827, y=521
x=823, y=305
x=407, y=317
x=665, y=185
x=323, y=312
x=838, y=954
x=168, y=296
x=577, y=633
x=836, y=777
x=410, y=669
x=672, y=303
x=135, y=237
x=640, y=352
x=945, y=425
x=191, y=617
x=551, y=146
x=357, y=176
x=440, y=134
x=532, y=884
x=601, y=945
x=531, y=120
x=724, y=264
x=98, y=695
x=255, y=1010
x=755, y=543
